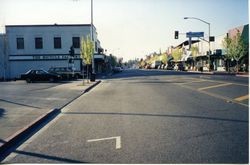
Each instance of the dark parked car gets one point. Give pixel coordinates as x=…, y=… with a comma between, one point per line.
x=65, y=72
x=39, y=75
x=169, y=66
x=181, y=67
x=117, y=69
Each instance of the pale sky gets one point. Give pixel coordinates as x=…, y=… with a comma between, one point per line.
x=131, y=28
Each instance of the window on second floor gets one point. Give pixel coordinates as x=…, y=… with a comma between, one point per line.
x=38, y=42
x=19, y=43
x=76, y=42
x=57, y=43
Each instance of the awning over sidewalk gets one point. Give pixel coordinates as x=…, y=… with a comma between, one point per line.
x=185, y=43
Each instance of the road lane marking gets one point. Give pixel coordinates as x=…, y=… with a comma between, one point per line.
x=117, y=139
x=214, y=86
x=233, y=83
x=227, y=99
x=242, y=98
x=195, y=81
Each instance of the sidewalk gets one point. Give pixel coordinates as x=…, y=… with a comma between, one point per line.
x=18, y=119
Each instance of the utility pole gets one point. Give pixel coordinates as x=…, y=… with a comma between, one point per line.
x=92, y=38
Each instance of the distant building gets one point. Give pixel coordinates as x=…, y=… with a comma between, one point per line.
x=44, y=46
x=217, y=56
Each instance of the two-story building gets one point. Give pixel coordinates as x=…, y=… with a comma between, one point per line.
x=2, y=56
x=44, y=46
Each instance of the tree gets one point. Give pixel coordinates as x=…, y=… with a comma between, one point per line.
x=177, y=53
x=235, y=48
x=164, y=59
x=195, y=50
x=113, y=60
x=120, y=61
x=86, y=52
x=142, y=63
x=226, y=44
x=239, y=47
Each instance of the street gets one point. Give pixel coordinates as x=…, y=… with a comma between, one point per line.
x=148, y=116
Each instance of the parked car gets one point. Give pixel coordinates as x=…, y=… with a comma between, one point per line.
x=176, y=67
x=65, y=72
x=117, y=69
x=39, y=75
x=179, y=67
x=169, y=67
x=147, y=66
x=155, y=64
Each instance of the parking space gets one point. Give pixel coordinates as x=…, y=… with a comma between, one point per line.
x=230, y=91
x=226, y=90
x=201, y=84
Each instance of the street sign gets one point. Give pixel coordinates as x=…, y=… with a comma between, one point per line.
x=195, y=34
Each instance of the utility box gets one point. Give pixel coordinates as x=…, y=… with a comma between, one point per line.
x=92, y=77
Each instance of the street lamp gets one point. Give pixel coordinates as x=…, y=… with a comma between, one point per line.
x=208, y=36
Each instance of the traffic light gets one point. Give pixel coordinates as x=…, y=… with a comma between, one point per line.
x=211, y=39
x=72, y=51
x=176, y=34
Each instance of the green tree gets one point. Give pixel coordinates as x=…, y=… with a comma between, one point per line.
x=177, y=53
x=235, y=49
x=86, y=52
x=239, y=47
x=142, y=63
x=113, y=60
x=226, y=44
x=195, y=50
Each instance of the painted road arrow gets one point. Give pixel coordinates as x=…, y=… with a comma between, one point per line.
x=117, y=139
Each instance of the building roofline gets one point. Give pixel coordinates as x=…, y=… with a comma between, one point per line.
x=49, y=25
x=185, y=43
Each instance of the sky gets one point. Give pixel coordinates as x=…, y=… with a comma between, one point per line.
x=131, y=28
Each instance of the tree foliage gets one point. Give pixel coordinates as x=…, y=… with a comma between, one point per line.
x=177, y=53
x=195, y=50
x=87, y=50
x=164, y=58
x=226, y=44
x=113, y=60
x=235, y=48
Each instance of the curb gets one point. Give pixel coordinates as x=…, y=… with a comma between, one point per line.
x=221, y=73
x=92, y=86
x=25, y=132
x=28, y=130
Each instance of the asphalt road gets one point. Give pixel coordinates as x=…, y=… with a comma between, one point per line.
x=148, y=117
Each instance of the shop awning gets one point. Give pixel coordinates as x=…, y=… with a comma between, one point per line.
x=185, y=43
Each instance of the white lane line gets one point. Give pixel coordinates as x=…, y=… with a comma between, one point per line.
x=117, y=139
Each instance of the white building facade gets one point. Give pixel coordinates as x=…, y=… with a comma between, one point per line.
x=44, y=46
x=2, y=56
